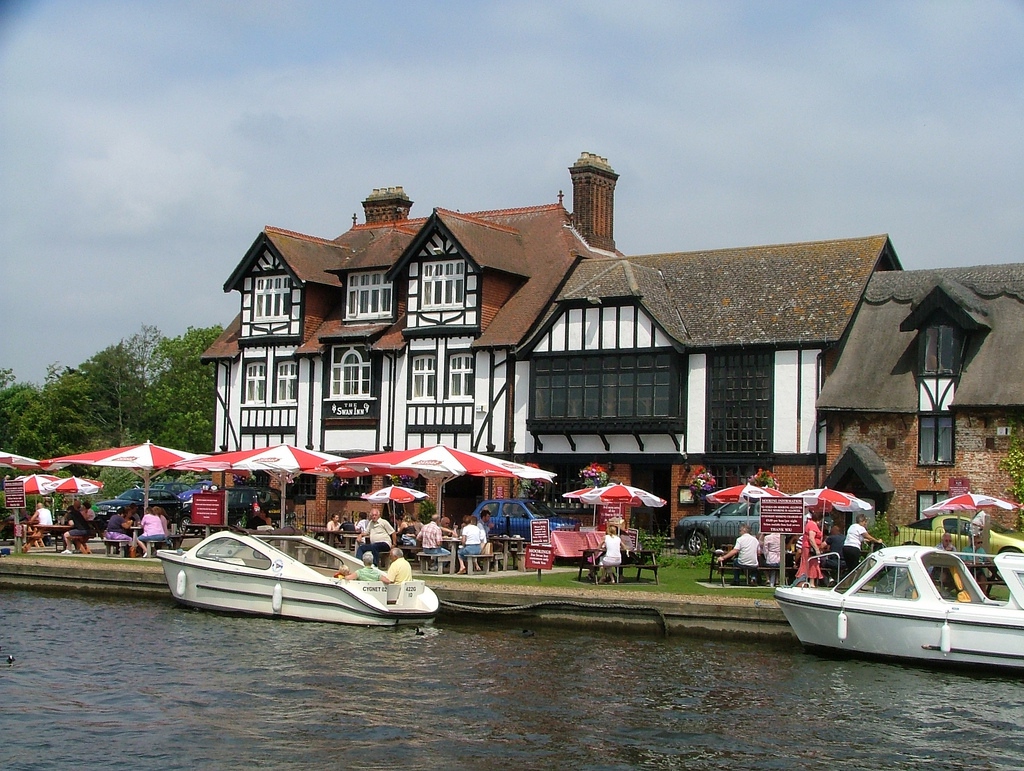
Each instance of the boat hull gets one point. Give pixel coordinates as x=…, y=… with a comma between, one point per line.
x=272, y=584
x=987, y=636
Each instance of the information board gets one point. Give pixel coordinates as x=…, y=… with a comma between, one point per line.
x=609, y=511
x=538, y=557
x=210, y=508
x=540, y=532
x=782, y=515
x=14, y=494
x=959, y=486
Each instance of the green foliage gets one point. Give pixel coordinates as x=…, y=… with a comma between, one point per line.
x=180, y=401
x=1013, y=463
x=144, y=387
x=881, y=529
x=427, y=509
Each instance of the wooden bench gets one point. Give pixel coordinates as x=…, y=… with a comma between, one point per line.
x=170, y=542
x=434, y=563
x=751, y=575
x=652, y=565
x=481, y=563
x=116, y=546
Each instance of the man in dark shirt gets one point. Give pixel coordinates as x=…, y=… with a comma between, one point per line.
x=80, y=529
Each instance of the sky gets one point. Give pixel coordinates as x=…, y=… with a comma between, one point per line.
x=144, y=146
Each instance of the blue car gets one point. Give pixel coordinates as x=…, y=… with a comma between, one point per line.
x=512, y=516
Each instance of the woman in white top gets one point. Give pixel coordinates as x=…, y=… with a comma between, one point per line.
x=612, y=559
x=473, y=540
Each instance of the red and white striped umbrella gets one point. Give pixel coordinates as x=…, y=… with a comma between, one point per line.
x=12, y=460
x=444, y=463
x=744, y=492
x=281, y=461
x=35, y=484
x=825, y=497
x=620, y=493
x=75, y=486
x=970, y=502
x=394, y=494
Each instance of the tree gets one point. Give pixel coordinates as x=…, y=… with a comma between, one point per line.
x=180, y=400
x=119, y=377
x=60, y=421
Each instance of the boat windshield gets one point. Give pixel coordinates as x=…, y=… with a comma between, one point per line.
x=893, y=581
x=310, y=553
x=856, y=575
x=233, y=552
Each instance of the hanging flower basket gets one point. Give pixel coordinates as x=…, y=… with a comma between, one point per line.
x=765, y=478
x=702, y=482
x=594, y=475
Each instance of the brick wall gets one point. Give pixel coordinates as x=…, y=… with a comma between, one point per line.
x=977, y=453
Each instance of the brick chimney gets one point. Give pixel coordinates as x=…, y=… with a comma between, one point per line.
x=386, y=204
x=593, y=200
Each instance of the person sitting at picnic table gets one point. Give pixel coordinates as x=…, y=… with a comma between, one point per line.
x=408, y=531
x=154, y=525
x=116, y=528
x=258, y=519
x=334, y=523
x=379, y=537
x=472, y=541
x=42, y=516
x=347, y=525
x=80, y=530
x=399, y=569
x=743, y=554
x=362, y=523
x=611, y=558
x=430, y=537
x=368, y=572
x=87, y=511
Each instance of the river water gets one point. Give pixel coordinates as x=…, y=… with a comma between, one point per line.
x=117, y=684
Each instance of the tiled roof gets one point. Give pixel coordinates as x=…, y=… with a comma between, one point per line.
x=877, y=365
x=307, y=256
x=782, y=293
x=226, y=345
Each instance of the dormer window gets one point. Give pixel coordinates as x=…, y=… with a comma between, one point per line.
x=273, y=297
x=940, y=348
x=443, y=284
x=369, y=296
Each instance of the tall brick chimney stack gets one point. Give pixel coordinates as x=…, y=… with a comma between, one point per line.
x=386, y=204
x=593, y=200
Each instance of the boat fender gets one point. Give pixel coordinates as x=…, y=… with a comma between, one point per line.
x=180, y=583
x=275, y=601
x=945, y=644
x=842, y=626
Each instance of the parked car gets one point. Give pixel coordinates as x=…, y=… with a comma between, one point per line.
x=928, y=532
x=163, y=498
x=170, y=487
x=197, y=487
x=512, y=516
x=718, y=529
x=242, y=501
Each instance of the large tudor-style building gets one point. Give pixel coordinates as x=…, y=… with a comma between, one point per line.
x=525, y=333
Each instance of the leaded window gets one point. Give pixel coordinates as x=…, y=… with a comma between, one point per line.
x=460, y=375
x=940, y=350
x=424, y=377
x=273, y=297
x=350, y=375
x=740, y=401
x=287, y=381
x=935, y=440
x=608, y=386
x=443, y=284
x=256, y=383
x=369, y=296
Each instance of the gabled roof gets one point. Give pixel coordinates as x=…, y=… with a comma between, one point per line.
x=952, y=298
x=758, y=295
x=306, y=258
x=877, y=365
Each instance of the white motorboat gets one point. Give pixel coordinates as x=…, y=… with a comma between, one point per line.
x=290, y=576
x=917, y=603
